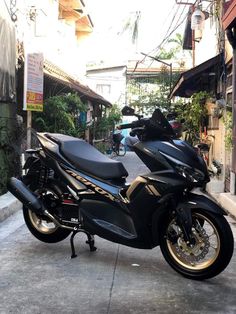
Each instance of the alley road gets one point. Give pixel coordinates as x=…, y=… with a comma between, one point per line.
x=40, y=278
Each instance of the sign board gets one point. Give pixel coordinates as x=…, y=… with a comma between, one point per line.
x=33, y=82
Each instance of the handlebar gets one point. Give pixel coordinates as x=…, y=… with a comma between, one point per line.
x=134, y=124
x=151, y=128
x=126, y=126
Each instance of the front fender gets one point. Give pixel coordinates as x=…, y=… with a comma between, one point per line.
x=183, y=210
x=194, y=201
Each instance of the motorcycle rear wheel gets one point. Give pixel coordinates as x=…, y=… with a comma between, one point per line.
x=42, y=227
x=210, y=252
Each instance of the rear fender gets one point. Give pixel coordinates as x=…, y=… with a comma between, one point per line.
x=32, y=167
x=30, y=161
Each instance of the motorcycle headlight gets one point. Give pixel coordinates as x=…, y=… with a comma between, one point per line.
x=191, y=174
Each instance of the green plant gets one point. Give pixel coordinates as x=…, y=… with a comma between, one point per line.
x=106, y=123
x=61, y=114
x=194, y=114
x=228, y=122
x=147, y=94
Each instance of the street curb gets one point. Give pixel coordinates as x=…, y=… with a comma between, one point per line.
x=227, y=201
x=8, y=206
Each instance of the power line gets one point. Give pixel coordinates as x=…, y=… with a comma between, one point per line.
x=174, y=15
x=155, y=50
x=172, y=21
x=181, y=14
x=169, y=33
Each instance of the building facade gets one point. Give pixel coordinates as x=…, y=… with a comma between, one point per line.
x=212, y=67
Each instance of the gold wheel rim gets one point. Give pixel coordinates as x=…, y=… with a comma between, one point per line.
x=185, y=256
x=42, y=225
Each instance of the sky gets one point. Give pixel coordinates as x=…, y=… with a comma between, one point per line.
x=110, y=16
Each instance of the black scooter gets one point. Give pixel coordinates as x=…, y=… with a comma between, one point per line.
x=71, y=187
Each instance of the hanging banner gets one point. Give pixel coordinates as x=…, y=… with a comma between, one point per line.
x=7, y=60
x=33, y=82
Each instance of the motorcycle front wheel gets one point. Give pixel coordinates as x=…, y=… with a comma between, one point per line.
x=209, y=252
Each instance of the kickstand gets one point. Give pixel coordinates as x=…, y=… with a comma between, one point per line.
x=73, y=255
x=90, y=242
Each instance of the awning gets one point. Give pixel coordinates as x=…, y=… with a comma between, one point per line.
x=200, y=78
x=229, y=18
x=57, y=75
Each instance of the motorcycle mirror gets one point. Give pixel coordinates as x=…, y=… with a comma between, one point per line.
x=128, y=111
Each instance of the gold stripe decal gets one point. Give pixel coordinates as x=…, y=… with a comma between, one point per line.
x=91, y=185
x=154, y=190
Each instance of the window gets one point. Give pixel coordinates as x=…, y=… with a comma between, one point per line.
x=103, y=89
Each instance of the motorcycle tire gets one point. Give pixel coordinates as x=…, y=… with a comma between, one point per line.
x=211, y=249
x=42, y=228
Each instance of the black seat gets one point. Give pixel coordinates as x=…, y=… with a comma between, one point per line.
x=87, y=158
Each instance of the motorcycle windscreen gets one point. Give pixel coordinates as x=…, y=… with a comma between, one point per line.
x=159, y=122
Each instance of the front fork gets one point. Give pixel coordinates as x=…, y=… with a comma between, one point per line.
x=183, y=215
x=184, y=220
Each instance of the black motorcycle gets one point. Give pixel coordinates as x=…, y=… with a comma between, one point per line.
x=71, y=187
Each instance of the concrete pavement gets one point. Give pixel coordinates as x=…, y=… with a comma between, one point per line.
x=8, y=206
x=41, y=278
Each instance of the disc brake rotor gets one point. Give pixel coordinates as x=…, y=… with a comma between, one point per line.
x=193, y=253
x=204, y=247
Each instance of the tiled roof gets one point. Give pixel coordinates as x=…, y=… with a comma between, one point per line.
x=62, y=77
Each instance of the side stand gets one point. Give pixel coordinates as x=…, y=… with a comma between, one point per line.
x=90, y=242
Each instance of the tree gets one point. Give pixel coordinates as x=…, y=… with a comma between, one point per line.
x=194, y=115
x=61, y=114
x=147, y=94
x=107, y=122
x=174, y=50
x=131, y=26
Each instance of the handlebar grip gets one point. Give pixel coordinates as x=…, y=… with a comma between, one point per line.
x=126, y=126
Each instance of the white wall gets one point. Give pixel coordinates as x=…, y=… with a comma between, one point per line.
x=207, y=47
x=113, y=77
x=55, y=38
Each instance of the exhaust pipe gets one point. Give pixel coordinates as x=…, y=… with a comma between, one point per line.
x=25, y=196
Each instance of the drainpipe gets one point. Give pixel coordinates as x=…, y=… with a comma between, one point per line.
x=231, y=35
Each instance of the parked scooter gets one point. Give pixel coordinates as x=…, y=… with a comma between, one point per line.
x=71, y=187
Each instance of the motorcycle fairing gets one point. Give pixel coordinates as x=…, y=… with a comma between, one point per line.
x=159, y=155
x=108, y=221
x=104, y=189
x=128, y=223
x=158, y=184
